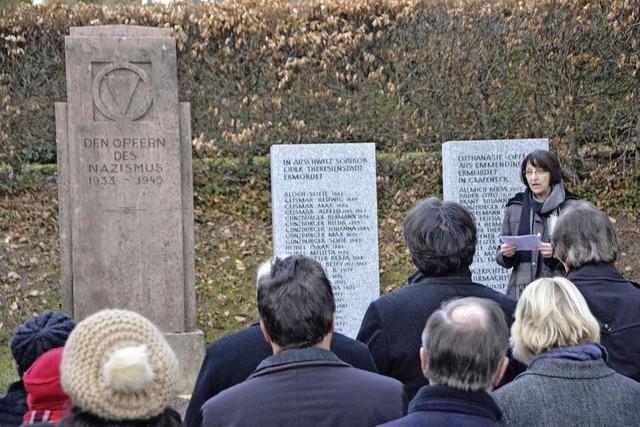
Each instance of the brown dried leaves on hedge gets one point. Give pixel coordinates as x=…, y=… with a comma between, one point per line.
x=405, y=74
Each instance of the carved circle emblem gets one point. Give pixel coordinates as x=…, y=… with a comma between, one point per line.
x=122, y=91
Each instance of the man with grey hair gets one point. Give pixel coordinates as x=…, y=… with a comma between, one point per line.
x=463, y=355
x=586, y=243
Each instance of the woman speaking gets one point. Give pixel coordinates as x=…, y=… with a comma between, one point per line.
x=534, y=212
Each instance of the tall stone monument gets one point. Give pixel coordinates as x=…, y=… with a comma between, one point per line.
x=125, y=184
x=483, y=175
x=325, y=206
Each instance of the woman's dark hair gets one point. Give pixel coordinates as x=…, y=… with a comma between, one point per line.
x=542, y=159
x=80, y=418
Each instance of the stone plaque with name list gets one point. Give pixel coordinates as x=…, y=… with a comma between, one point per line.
x=325, y=206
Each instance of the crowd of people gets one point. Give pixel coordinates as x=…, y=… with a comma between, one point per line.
x=562, y=347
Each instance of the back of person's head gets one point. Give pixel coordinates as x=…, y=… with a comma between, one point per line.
x=118, y=367
x=295, y=301
x=441, y=236
x=551, y=313
x=39, y=334
x=466, y=342
x=584, y=235
x=47, y=400
x=542, y=159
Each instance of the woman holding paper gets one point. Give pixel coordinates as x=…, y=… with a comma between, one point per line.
x=534, y=212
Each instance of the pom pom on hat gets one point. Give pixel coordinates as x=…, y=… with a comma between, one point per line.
x=38, y=335
x=128, y=369
x=118, y=366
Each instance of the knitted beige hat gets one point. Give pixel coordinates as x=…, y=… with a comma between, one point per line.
x=118, y=366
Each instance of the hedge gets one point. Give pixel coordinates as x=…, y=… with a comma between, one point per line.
x=405, y=74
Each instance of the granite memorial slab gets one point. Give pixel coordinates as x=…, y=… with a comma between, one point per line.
x=483, y=175
x=125, y=183
x=325, y=206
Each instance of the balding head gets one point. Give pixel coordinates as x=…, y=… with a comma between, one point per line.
x=469, y=315
x=465, y=343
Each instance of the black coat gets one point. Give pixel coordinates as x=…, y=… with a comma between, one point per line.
x=445, y=406
x=306, y=387
x=13, y=405
x=232, y=358
x=393, y=324
x=615, y=302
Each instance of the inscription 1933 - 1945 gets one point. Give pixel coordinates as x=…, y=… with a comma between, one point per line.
x=126, y=164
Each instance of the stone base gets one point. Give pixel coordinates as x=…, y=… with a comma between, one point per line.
x=189, y=348
x=180, y=404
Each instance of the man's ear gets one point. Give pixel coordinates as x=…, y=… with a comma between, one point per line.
x=497, y=379
x=424, y=360
x=332, y=329
x=265, y=333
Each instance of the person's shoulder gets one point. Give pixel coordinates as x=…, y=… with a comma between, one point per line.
x=627, y=385
x=393, y=304
x=518, y=199
x=343, y=342
x=515, y=399
x=353, y=352
x=499, y=297
x=570, y=197
x=569, y=201
x=229, y=397
x=418, y=418
x=391, y=298
x=243, y=349
x=224, y=402
x=515, y=389
x=407, y=290
x=373, y=382
x=247, y=337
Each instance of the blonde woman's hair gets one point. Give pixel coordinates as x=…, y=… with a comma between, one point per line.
x=551, y=313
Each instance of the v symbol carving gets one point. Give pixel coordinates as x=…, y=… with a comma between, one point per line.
x=121, y=89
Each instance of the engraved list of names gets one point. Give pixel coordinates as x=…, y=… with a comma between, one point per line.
x=325, y=206
x=483, y=175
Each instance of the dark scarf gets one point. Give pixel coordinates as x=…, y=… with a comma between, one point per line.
x=526, y=219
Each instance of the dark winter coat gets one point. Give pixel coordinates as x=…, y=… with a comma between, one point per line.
x=445, y=406
x=232, y=358
x=306, y=387
x=524, y=273
x=13, y=405
x=393, y=324
x=560, y=392
x=615, y=302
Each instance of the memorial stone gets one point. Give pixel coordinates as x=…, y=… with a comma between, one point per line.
x=325, y=206
x=483, y=175
x=125, y=184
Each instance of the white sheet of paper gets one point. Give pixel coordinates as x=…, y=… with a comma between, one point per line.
x=523, y=243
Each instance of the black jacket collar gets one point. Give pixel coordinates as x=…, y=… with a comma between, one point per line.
x=447, y=399
x=463, y=274
x=597, y=271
